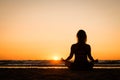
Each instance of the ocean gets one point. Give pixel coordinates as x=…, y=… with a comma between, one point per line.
x=56, y=64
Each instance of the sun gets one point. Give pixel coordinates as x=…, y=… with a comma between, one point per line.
x=55, y=58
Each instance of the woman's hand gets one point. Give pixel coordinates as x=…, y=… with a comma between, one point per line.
x=63, y=59
x=96, y=61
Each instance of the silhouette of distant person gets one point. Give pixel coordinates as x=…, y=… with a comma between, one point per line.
x=82, y=51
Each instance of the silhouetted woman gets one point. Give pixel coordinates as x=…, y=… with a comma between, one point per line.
x=82, y=52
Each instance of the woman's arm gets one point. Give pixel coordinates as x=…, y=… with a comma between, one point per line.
x=89, y=53
x=70, y=56
x=71, y=53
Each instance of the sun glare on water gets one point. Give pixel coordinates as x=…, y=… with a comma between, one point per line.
x=55, y=58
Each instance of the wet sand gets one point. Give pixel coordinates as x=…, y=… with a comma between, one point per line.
x=58, y=74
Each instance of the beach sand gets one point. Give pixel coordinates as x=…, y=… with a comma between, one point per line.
x=58, y=74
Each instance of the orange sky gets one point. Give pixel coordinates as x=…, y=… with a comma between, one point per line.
x=42, y=29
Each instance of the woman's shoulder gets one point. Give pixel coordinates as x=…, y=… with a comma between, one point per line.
x=87, y=45
x=74, y=45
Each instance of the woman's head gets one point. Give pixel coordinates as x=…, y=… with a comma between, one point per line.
x=82, y=37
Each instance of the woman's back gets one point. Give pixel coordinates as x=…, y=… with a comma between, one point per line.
x=81, y=51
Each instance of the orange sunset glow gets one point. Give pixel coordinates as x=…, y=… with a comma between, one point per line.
x=46, y=29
